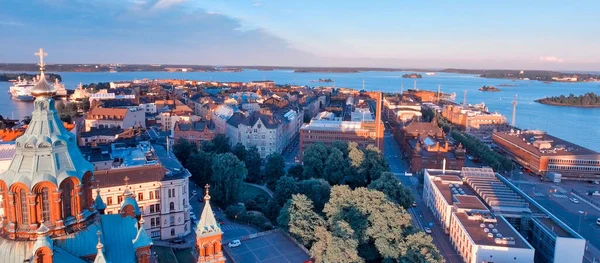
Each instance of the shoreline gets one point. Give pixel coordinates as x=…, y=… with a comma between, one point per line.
x=566, y=105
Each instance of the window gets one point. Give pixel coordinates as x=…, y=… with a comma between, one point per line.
x=140, y=196
x=66, y=198
x=45, y=205
x=151, y=195
x=109, y=200
x=172, y=220
x=157, y=208
x=169, y=193
x=157, y=194
x=155, y=234
x=119, y=199
x=24, y=214
x=152, y=222
x=152, y=210
x=172, y=206
x=172, y=231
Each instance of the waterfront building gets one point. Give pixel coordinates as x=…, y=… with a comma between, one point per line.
x=488, y=219
x=123, y=118
x=475, y=120
x=425, y=146
x=47, y=199
x=79, y=94
x=326, y=128
x=543, y=153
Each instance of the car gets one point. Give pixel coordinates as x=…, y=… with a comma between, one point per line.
x=178, y=241
x=598, y=221
x=221, y=223
x=235, y=243
x=574, y=200
x=414, y=204
x=428, y=230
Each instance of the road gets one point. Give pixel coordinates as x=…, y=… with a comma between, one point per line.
x=581, y=217
x=422, y=216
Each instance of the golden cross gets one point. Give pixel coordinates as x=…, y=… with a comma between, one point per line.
x=98, y=234
x=206, y=187
x=41, y=54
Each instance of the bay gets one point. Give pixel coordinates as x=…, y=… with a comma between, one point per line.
x=578, y=125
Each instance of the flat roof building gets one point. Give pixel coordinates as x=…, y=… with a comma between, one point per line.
x=542, y=153
x=475, y=120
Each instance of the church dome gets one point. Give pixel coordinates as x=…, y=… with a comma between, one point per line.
x=43, y=88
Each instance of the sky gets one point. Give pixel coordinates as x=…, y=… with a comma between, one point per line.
x=509, y=34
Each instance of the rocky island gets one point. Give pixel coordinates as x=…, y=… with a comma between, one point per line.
x=412, y=76
x=588, y=100
x=489, y=89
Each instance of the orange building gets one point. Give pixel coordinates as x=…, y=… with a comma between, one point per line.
x=9, y=135
x=475, y=121
x=209, y=235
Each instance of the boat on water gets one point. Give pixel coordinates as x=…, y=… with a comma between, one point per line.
x=430, y=73
x=21, y=89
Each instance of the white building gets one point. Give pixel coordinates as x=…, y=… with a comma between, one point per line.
x=115, y=117
x=159, y=186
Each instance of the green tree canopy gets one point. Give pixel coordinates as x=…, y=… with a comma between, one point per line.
x=239, y=150
x=300, y=220
x=317, y=190
x=314, y=160
x=374, y=164
x=183, y=149
x=336, y=167
x=219, y=144
x=393, y=189
x=295, y=171
x=227, y=179
x=200, y=166
x=253, y=163
x=274, y=168
x=284, y=189
x=419, y=248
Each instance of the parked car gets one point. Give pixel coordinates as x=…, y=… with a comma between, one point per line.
x=221, y=223
x=598, y=221
x=428, y=230
x=414, y=204
x=235, y=243
x=574, y=200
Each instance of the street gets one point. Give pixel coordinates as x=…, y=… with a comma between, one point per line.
x=422, y=216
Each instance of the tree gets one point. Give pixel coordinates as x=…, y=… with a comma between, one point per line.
x=284, y=189
x=317, y=190
x=239, y=150
x=274, y=168
x=335, y=167
x=420, y=249
x=253, y=163
x=335, y=246
x=356, y=157
x=227, y=178
x=342, y=146
x=393, y=189
x=235, y=211
x=183, y=149
x=295, y=171
x=374, y=164
x=271, y=210
x=200, y=166
x=219, y=144
x=300, y=220
x=314, y=160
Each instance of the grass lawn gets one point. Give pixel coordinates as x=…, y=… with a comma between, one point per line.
x=184, y=255
x=252, y=192
x=165, y=254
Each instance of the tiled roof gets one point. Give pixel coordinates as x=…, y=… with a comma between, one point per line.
x=7, y=151
x=136, y=175
x=111, y=113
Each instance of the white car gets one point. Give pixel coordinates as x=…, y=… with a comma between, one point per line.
x=428, y=230
x=574, y=200
x=598, y=221
x=235, y=243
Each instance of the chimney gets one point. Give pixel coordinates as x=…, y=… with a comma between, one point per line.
x=444, y=166
x=379, y=131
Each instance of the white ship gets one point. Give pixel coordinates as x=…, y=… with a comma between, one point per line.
x=21, y=90
x=430, y=73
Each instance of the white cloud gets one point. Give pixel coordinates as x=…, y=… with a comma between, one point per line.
x=551, y=59
x=166, y=3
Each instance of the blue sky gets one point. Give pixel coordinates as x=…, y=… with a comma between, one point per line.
x=434, y=34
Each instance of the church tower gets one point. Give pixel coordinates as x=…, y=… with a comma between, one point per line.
x=48, y=182
x=208, y=235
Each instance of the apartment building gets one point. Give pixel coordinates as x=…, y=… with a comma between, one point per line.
x=124, y=118
x=476, y=121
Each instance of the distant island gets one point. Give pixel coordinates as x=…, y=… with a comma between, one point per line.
x=588, y=100
x=412, y=76
x=333, y=70
x=541, y=75
x=507, y=85
x=26, y=76
x=489, y=89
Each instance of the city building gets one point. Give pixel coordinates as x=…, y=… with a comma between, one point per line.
x=326, y=128
x=264, y=130
x=47, y=199
x=104, y=135
x=123, y=118
x=475, y=120
x=490, y=220
x=426, y=147
x=542, y=153
x=399, y=110
x=209, y=235
x=197, y=131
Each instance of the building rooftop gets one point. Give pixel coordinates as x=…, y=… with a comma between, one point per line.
x=484, y=231
x=543, y=144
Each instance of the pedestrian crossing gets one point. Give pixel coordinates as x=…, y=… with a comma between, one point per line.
x=559, y=195
x=538, y=194
x=228, y=227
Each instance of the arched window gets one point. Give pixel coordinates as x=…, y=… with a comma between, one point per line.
x=172, y=206
x=66, y=197
x=45, y=205
x=24, y=209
